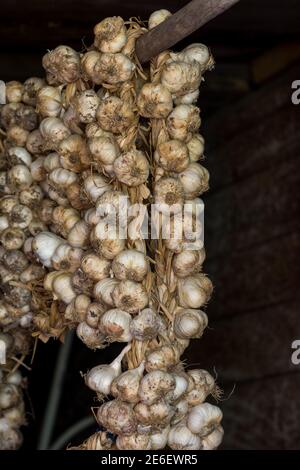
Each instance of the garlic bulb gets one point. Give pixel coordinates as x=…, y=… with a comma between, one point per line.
x=74, y=154
x=181, y=438
x=183, y=121
x=181, y=410
x=66, y=257
x=195, y=180
x=154, y=101
x=213, y=440
x=159, y=438
x=190, y=323
x=163, y=358
x=101, y=377
x=19, y=177
x=155, y=385
x=132, y=168
x=115, y=115
x=103, y=290
x=110, y=35
x=115, y=68
x=78, y=236
x=12, y=238
x=62, y=65
x=158, y=414
x=91, y=337
x=86, y=104
x=117, y=416
x=95, y=186
x=31, y=88
x=14, y=91
x=181, y=77
x=158, y=17
x=53, y=131
x=168, y=195
x=115, y=325
x=195, y=147
x=134, y=441
x=94, y=267
x=130, y=296
x=44, y=246
x=35, y=142
x=199, y=53
x=188, y=98
x=181, y=386
x=63, y=289
x=19, y=155
x=49, y=101
x=17, y=135
x=204, y=384
x=131, y=265
x=188, y=262
x=204, y=419
x=145, y=325
x=104, y=150
x=126, y=386
x=194, y=291
x=172, y=155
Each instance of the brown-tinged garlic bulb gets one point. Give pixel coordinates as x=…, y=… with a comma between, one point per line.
x=145, y=325
x=49, y=101
x=101, y=377
x=188, y=262
x=195, y=180
x=115, y=68
x=154, y=101
x=213, y=440
x=181, y=77
x=181, y=438
x=172, y=155
x=163, y=358
x=19, y=155
x=188, y=98
x=132, y=168
x=31, y=196
x=19, y=177
x=104, y=150
x=117, y=416
x=194, y=291
x=199, y=53
x=115, y=115
x=93, y=313
x=86, y=104
x=115, y=325
x=158, y=17
x=31, y=88
x=155, y=385
x=16, y=135
x=168, y=193
x=204, y=384
x=196, y=147
x=14, y=91
x=62, y=65
x=97, y=441
x=110, y=35
x=105, y=241
x=66, y=257
x=134, y=441
x=12, y=238
x=204, y=419
x=183, y=121
x=20, y=216
x=38, y=171
x=10, y=438
x=126, y=386
x=35, y=142
x=90, y=66
x=78, y=236
x=130, y=296
x=158, y=414
x=74, y=154
x=94, y=267
x=190, y=323
x=91, y=337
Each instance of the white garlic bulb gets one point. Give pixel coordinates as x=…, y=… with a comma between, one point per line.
x=19, y=155
x=14, y=91
x=49, y=101
x=66, y=257
x=203, y=385
x=53, y=131
x=188, y=262
x=132, y=168
x=183, y=121
x=158, y=17
x=181, y=386
x=190, y=323
x=159, y=438
x=62, y=178
x=181, y=438
x=91, y=337
x=126, y=386
x=213, y=440
x=194, y=291
x=146, y=325
x=110, y=34
x=103, y=290
x=94, y=267
x=204, y=419
x=188, y=98
x=115, y=68
x=199, y=53
x=104, y=150
x=162, y=357
x=130, y=296
x=101, y=377
x=19, y=177
x=95, y=185
x=195, y=147
x=44, y=246
x=181, y=78
x=131, y=265
x=115, y=325
x=63, y=289
x=195, y=180
x=154, y=101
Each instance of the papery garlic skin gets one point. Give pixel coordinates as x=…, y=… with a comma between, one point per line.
x=204, y=419
x=190, y=323
x=115, y=325
x=133, y=442
x=172, y=155
x=126, y=386
x=154, y=101
x=183, y=121
x=158, y=17
x=110, y=35
x=62, y=65
x=181, y=78
x=49, y=101
x=130, y=296
x=117, y=416
x=114, y=115
x=91, y=337
x=213, y=440
x=132, y=168
x=181, y=438
x=131, y=265
x=155, y=385
x=86, y=105
x=195, y=180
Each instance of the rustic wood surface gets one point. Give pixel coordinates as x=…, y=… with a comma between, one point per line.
x=180, y=25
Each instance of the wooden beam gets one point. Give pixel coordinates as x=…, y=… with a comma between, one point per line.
x=250, y=346
x=180, y=25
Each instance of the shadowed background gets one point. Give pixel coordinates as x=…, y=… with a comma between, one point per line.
x=251, y=216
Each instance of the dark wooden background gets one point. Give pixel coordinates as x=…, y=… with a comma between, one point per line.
x=252, y=208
